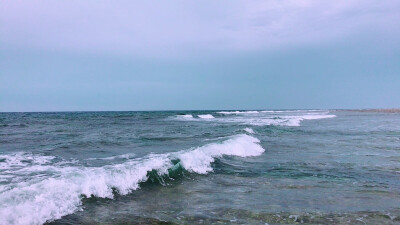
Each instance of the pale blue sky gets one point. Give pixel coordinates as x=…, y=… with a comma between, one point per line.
x=72, y=55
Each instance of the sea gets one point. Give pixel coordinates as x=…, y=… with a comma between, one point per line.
x=200, y=167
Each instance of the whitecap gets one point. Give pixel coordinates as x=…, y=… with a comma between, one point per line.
x=206, y=116
x=284, y=119
x=296, y=120
x=186, y=117
x=21, y=159
x=199, y=160
x=238, y=112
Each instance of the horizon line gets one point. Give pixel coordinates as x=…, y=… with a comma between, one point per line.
x=183, y=110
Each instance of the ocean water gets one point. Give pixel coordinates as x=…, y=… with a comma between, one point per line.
x=200, y=167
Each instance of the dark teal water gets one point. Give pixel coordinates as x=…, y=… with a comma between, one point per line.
x=201, y=167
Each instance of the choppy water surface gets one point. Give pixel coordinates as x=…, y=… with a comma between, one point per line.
x=211, y=167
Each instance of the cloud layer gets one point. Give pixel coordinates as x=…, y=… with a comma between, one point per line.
x=202, y=54
x=165, y=28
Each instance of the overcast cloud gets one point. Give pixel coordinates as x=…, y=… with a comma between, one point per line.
x=154, y=55
x=153, y=28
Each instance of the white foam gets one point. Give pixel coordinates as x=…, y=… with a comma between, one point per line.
x=262, y=118
x=317, y=117
x=289, y=111
x=186, y=117
x=59, y=195
x=199, y=160
x=295, y=120
x=49, y=198
x=238, y=112
x=265, y=120
x=249, y=130
x=275, y=119
x=21, y=159
x=206, y=116
x=123, y=156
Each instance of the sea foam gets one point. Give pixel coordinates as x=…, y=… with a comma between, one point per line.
x=50, y=198
x=123, y=156
x=199, y=160
x=206, y=116
x=238, y=112
x=295, y=120
x=249, y=130
x=277, y=118
x=21, y=159
x=187, y=116
x=261, y=118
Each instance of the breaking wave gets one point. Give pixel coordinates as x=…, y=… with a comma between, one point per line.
x=61, y=192
x=262, y=118
x=238, y=112
x=185, y=117
x=276, y=120
x=206, y=116
x=295, y=120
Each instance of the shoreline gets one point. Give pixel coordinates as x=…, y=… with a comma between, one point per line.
x=393, y=110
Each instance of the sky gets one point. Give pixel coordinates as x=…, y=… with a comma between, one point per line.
x=74, y=55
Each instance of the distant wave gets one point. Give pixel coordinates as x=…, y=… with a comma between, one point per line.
x=206, y=116
x=297, y=110
x=189, y=117
x=263, y=118
x=269, y=111
x=184, y=117
x=291, y=121
x=238, y=112
x=295, y=120
x=44, y=199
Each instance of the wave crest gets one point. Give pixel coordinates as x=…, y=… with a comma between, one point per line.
x=238, y=112
x=262, y=118
x=206, y=116
x=61, y=194
x=199, y=160
x=185, y=117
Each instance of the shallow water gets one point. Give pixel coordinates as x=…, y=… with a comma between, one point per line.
x=258, y=167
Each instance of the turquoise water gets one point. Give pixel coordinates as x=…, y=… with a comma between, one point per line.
x=211, y=167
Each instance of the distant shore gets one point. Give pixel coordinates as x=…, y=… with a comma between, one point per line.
x=376, y=110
